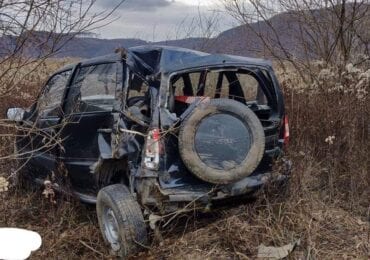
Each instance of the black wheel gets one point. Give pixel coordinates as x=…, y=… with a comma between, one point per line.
x=121, y=220
x=222, y=141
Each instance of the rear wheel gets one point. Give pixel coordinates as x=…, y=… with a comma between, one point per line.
x=121, y=220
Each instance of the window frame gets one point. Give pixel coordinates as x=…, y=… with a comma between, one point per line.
x=118, y=88
x=129, y=74
x=45, y=88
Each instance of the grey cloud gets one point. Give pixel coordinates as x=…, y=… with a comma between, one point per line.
x=137, y=5
x=157, y=24
x=168, y=22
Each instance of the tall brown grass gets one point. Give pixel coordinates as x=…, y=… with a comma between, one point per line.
x=335, y=107
x=326, y=205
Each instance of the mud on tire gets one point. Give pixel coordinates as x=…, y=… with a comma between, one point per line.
x=221, y=141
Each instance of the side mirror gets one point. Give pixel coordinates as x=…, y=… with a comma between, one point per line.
x=15, y=114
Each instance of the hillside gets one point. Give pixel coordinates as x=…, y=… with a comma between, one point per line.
x=239, y=40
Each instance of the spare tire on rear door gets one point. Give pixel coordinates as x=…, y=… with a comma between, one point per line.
x=221, y=141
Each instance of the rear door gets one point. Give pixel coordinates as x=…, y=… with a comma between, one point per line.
x=89, y=112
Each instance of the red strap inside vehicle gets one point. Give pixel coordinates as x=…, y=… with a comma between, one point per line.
x=188, y=99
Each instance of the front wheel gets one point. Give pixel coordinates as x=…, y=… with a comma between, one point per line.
x=121, y=220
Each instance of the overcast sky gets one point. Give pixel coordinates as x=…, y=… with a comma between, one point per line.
x=155, y=20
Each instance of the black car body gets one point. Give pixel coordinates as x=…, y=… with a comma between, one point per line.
x=95, y=134
x=97, y=122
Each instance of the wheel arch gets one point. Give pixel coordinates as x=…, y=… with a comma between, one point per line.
x=111, y=171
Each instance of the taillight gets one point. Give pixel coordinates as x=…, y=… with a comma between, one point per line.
x=286, y=130
x=152, y=149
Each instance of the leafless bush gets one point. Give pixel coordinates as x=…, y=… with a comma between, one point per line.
x=32, y=32
x=333, y=31
x=325, y=78
x=203, y=28
x=329, y=121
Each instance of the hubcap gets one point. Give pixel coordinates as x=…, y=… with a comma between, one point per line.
x=111, y=228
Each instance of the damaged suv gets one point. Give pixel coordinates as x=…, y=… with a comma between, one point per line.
x=148, y=130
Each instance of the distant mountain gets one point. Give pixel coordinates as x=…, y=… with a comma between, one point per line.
x=240, y=40
x=286, y=34
x=92, y=47
x=84, y=47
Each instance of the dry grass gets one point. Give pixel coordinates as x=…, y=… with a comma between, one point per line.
x=66, y=228
x=326, y=206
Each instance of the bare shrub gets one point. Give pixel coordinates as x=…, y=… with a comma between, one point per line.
x=32, y=32
x=296, y=32
x=335, y=106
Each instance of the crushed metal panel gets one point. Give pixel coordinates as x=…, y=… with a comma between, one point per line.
x=152, y=60
x=127, y=143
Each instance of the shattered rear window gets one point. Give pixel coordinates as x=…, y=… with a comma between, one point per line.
x=237, y=84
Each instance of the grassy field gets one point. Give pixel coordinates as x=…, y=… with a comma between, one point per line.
x=326, y=206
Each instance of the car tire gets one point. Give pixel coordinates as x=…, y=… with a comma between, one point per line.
x=121, y=220
x=221, y=141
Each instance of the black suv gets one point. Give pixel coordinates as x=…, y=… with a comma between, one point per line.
x=148, y=130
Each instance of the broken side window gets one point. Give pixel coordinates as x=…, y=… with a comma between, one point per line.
x=94, y=88
x=138, y=89
x=51, y=99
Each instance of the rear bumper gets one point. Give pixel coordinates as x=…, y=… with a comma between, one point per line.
x=256, y=181
x=242, y=187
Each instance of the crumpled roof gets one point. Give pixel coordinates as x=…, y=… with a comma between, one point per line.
x=149, y=60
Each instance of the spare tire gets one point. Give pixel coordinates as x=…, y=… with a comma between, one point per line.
x=221, y=141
